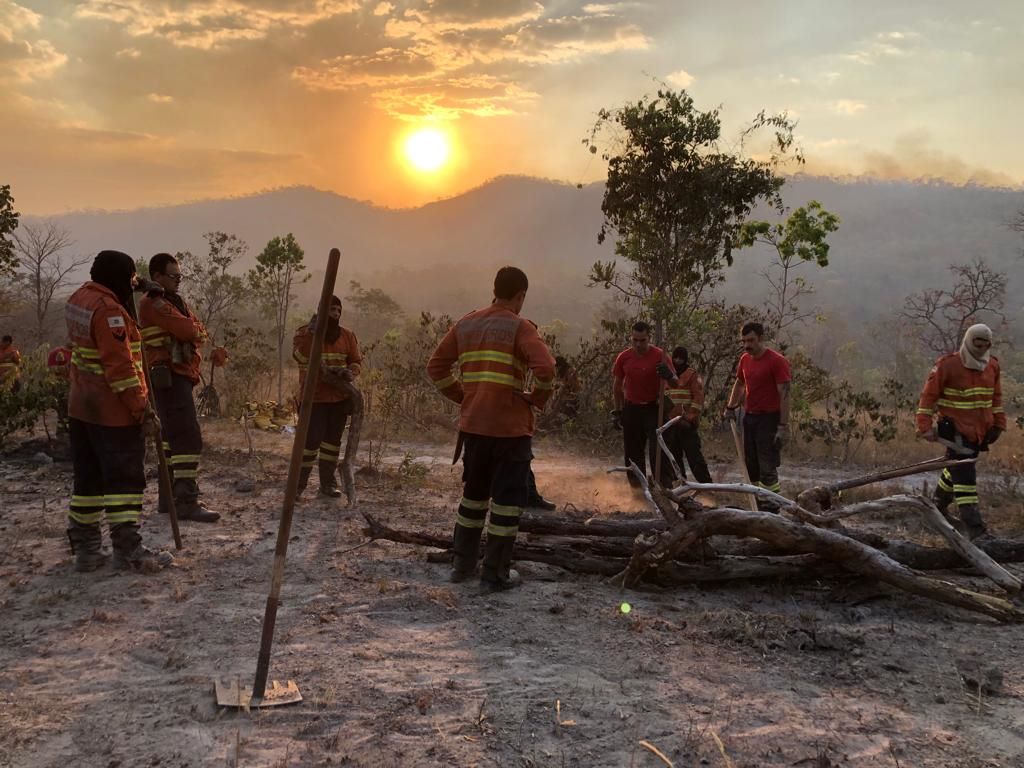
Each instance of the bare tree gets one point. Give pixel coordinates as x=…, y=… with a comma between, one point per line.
x=942, y=316
x=212, y=290
x=43, y=267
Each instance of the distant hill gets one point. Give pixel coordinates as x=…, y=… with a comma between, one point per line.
x=895, y=238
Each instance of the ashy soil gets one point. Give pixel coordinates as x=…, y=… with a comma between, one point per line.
x=398, y=667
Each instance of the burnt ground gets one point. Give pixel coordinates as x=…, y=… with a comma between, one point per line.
x=400, y=668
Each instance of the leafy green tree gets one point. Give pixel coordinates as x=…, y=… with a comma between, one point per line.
x=799, y=240
x=675, y=198
x=278, y=267
x=212, y=290
x=8, y=258
x=376, y=312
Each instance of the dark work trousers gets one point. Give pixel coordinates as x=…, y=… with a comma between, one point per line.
x=762, y=454
x=495, y=475
x=109, y=464
x=685, y=441
x=959, y=483
x=639, y=430
x=183, y=442
x=323, y=441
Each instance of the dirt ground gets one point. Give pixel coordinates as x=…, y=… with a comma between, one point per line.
x=400, y=668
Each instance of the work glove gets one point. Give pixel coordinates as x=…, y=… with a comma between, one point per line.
x=781, y=437
x=991, y=436
x=665, y=372
x=346, y=374
x=617, y=418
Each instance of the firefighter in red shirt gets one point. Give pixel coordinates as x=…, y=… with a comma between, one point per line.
x=172, y=335
x=965, y=392
x=686, y=391
x=762, y=380
x=332, y=405
x=494, y=349
x=636, y=391
x=10, y=364
x=109, y=418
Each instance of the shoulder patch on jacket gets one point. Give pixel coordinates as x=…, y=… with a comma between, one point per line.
x=115, y=322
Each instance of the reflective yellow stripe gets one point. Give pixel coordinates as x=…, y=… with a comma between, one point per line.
x=329, y=447
x=490, y=377
x=123, y=498
x=926, y=411
x=491, y=356
x=502, y=530
x=968, y=392
x=445, y=382
x=85, y=518
x=541, y=384
x=334, y=357
x=123, y=384
x=185, y=458
x=501, y=509
x=87, y=501
x=467, y=522
x=965, y=405
x=123, y=516
x=998, y=409
x=473, y=504
x=89, y=352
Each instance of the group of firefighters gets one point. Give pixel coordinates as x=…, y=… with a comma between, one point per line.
x=483, y=363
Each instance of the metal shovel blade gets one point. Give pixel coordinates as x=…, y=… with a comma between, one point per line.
x=231, y=693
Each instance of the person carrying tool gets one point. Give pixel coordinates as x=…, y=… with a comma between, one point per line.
x=10, y=364
x=494, y=349
x=172, y=335
x=340, y=363
x=108, y=418
x=637, y=392
x=762, y=381
x=964, y=390
x=686, y=391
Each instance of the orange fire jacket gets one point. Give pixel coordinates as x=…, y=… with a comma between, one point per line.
x=687, y=396
x=494, y=349
x=972, y=399
x=10, y=365
x=107, y=385
x=171, y=336
x=341, y=353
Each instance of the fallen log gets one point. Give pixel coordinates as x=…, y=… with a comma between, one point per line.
x=803, y=539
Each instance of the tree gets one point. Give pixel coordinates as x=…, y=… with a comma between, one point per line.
x=8, y=259
x=212, y=290
x=278, y=267
x=675, y=198
x=376, y=312
x=800, y=240
x=42, y=266
x=941, y=316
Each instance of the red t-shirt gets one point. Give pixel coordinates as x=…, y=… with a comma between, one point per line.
x=641, y=382
x=761, y=377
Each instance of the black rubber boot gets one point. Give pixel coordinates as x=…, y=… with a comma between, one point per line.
x=304, y=474
x=86, y=542
x=330, y=491
x=195, y=510
x=496, y=575
x=130, y=554
x=539, y=502
x=328, y=485
x=466, y=546
x=974, y=526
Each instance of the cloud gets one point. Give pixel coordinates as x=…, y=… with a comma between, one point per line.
x=451, y=58
x=680, y=79
x=383, y=9
x=848, y=107
x=884, y=45
x=129, y=53
x=23, y=58
x=208, y=24
x=160, y=98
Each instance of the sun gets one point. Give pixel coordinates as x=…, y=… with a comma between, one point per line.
x=427, y=150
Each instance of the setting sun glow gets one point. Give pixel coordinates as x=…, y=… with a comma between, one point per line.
x=427, y=149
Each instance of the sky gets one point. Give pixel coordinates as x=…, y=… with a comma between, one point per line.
x=129, y=103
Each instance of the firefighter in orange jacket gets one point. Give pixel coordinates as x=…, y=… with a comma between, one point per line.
x=109, y=418
x=686, y=391
x=172, y=335
x=331, y=404
x=494, y=349
x=10, y=364
x=965, y=392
